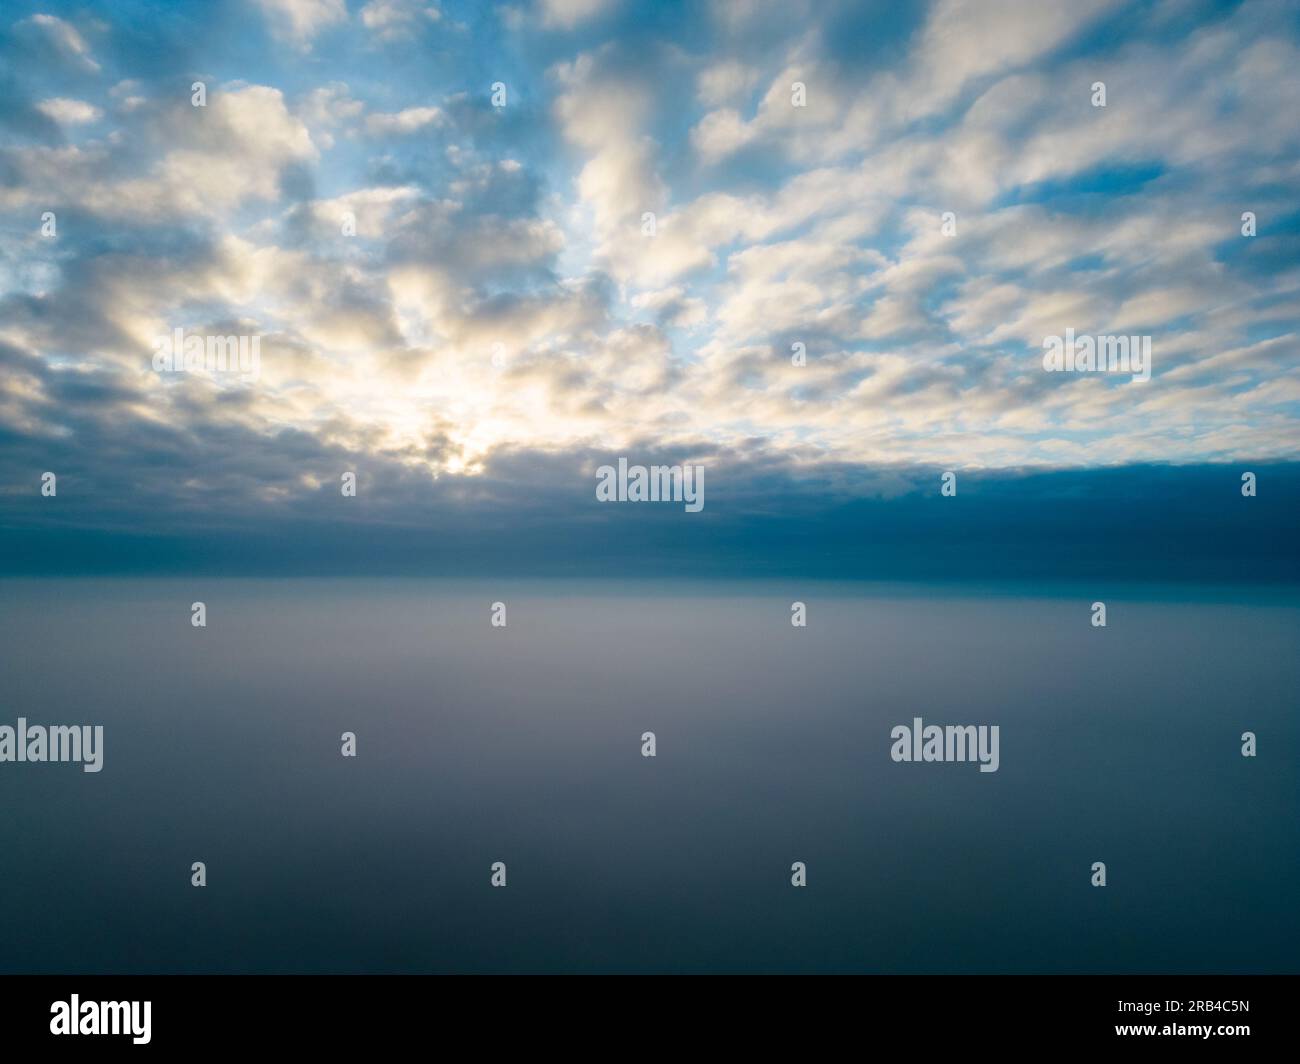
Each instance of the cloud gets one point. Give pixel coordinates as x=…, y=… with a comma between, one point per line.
x=726, y=82
x=64, y=38
x=300, y=21
x=500, y=304
x=69, y=112
x=410, y=120
x=214, y=159
x=391, y=20
x=566, y=14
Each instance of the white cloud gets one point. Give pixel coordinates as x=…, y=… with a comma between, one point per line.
x=410, y=120
x=566, y=14
x=63, y=36
x=725, y=82
x=300, y=21
x=721, y=133
x=69, y=112
x=393, y=19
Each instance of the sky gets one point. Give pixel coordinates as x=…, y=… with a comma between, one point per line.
x=437, y=219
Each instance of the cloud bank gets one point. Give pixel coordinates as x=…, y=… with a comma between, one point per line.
x=532, y=237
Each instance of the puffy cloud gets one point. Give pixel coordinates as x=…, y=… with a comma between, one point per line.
x=70, y=112
x=393, y=19
x=410, y=120
x=301, y=20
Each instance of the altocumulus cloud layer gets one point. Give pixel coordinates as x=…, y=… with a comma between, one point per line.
x=499, y=325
